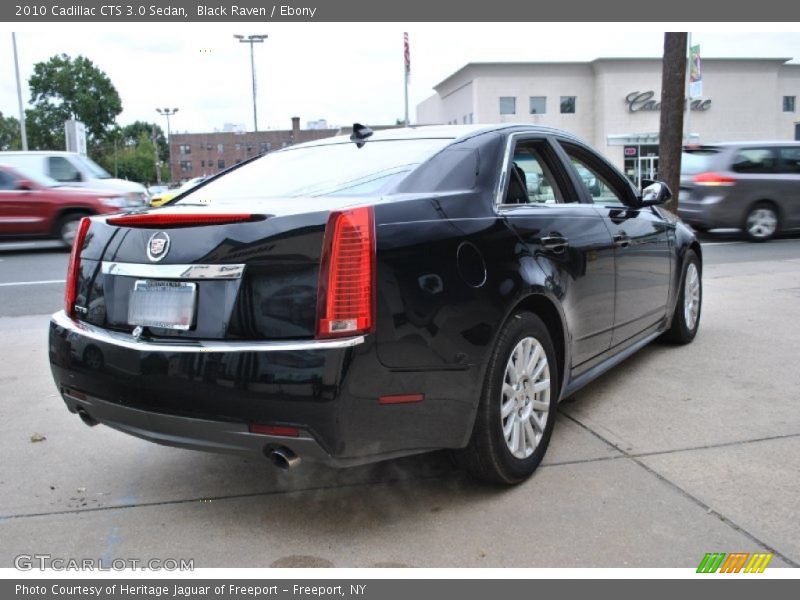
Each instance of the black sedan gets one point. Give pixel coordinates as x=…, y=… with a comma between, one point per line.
x=361, y=298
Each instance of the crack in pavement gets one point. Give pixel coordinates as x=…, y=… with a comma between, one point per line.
x=683, y=492
x=623, y=455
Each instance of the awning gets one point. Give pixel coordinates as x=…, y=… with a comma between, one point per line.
x=642, y=139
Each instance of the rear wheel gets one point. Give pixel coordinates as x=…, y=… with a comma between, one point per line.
x=517, y=407
x=761, y=223
x=686, y=319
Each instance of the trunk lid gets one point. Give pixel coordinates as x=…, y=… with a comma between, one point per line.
x=262, y=284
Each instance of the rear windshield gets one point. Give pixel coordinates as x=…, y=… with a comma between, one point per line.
x=324, y=170
x=697, y=161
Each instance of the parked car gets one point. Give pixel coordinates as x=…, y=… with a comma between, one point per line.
x=163, y=197
x=355, y=300
x=73, y=169
x=35, y=205
x=155, y=190
x=752, y=186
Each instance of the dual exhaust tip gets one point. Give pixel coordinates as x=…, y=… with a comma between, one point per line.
x=280, y=456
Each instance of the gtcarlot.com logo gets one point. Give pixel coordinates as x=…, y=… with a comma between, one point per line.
x=735, y=562
x=42, y=562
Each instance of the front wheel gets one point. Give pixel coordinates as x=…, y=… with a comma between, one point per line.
x=67, y=228
x=686, y=319
x=517, y=408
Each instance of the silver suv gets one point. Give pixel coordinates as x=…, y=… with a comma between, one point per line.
x=752, y=186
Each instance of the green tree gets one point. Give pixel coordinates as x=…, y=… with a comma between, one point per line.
x=63, y=88
x=131, y=134
x=9, y=133
x=137, y=162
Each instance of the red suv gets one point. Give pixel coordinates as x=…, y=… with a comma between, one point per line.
x=35, y=205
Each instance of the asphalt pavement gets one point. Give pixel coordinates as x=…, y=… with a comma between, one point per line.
x=677, y=452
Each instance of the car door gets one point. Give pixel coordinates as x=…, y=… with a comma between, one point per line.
x=20, y=210
x=642, y=241
x=62, y=169
x=789, y=185
x=565, y=236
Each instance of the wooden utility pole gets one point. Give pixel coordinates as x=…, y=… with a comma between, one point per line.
x=673, y=101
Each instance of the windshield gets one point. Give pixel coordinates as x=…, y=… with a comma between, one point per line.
x=324, y=170
x=94, y=169
x=696, y=161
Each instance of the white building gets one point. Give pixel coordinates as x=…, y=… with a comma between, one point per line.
x=613, y=103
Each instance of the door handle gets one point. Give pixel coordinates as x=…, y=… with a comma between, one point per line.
x=622, y=240
x=554, y=242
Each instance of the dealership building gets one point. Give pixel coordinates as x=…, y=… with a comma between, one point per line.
x=613, y=103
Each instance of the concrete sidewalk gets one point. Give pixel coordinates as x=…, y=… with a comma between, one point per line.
x=677, y=452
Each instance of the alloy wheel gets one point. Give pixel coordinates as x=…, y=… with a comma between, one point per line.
x=691, y=296
x=525, y=401
x=762, y=223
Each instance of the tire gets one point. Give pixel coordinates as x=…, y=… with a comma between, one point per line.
x=489, y=455
x=686, y=319
x=761, y=223
x=67, y=227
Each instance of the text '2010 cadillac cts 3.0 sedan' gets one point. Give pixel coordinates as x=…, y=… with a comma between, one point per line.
x=356, y=299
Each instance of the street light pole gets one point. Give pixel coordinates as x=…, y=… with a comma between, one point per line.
x=23, y=134
x=252, y=39
x=166, y=112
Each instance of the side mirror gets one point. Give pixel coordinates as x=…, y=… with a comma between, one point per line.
x=654, y=192
x=24, y=185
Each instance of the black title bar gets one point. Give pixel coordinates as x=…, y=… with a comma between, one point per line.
x=257, y=11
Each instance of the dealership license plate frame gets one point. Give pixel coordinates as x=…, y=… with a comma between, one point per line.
x=184, y=305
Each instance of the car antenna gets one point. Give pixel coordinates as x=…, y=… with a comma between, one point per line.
x=360, y=134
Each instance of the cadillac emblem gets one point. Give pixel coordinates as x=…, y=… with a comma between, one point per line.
x=157, y=246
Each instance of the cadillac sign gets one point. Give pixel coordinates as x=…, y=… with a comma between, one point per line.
x=644, y=101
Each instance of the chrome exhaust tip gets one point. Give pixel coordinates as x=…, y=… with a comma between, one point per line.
x=283, y=458
x=86, y=417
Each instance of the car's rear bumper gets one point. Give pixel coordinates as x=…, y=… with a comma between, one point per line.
x=186, y=432
x=205, y=395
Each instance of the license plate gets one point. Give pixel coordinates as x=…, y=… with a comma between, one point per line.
x=164, y=304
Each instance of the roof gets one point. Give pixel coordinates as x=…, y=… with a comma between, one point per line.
x=453, y=132
x=595, y=61
x=36, y=152
x=746, y=143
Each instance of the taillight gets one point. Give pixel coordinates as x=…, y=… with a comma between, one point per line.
x=74, y=267
x=712, y=178
x=346, y=297
x=166, y=220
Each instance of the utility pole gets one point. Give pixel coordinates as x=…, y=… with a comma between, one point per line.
x=673, y=104
x=22, y=133
x=406, y=72
x=252, y=39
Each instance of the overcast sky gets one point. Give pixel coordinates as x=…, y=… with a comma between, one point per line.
x=339, y=72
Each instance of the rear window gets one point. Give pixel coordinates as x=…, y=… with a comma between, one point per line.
x=697, y=161
x=790, y=159
x=324, y=170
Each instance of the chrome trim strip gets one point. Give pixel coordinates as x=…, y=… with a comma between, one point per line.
x=126, y=340
x=173, y=271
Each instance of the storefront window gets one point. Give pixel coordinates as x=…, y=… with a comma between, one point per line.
x=508, y=105
x=567, y=105
x=538, y=105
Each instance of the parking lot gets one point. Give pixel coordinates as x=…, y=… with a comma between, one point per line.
x=677, y=452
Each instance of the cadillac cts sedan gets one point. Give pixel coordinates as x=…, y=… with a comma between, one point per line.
x=361, y=298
